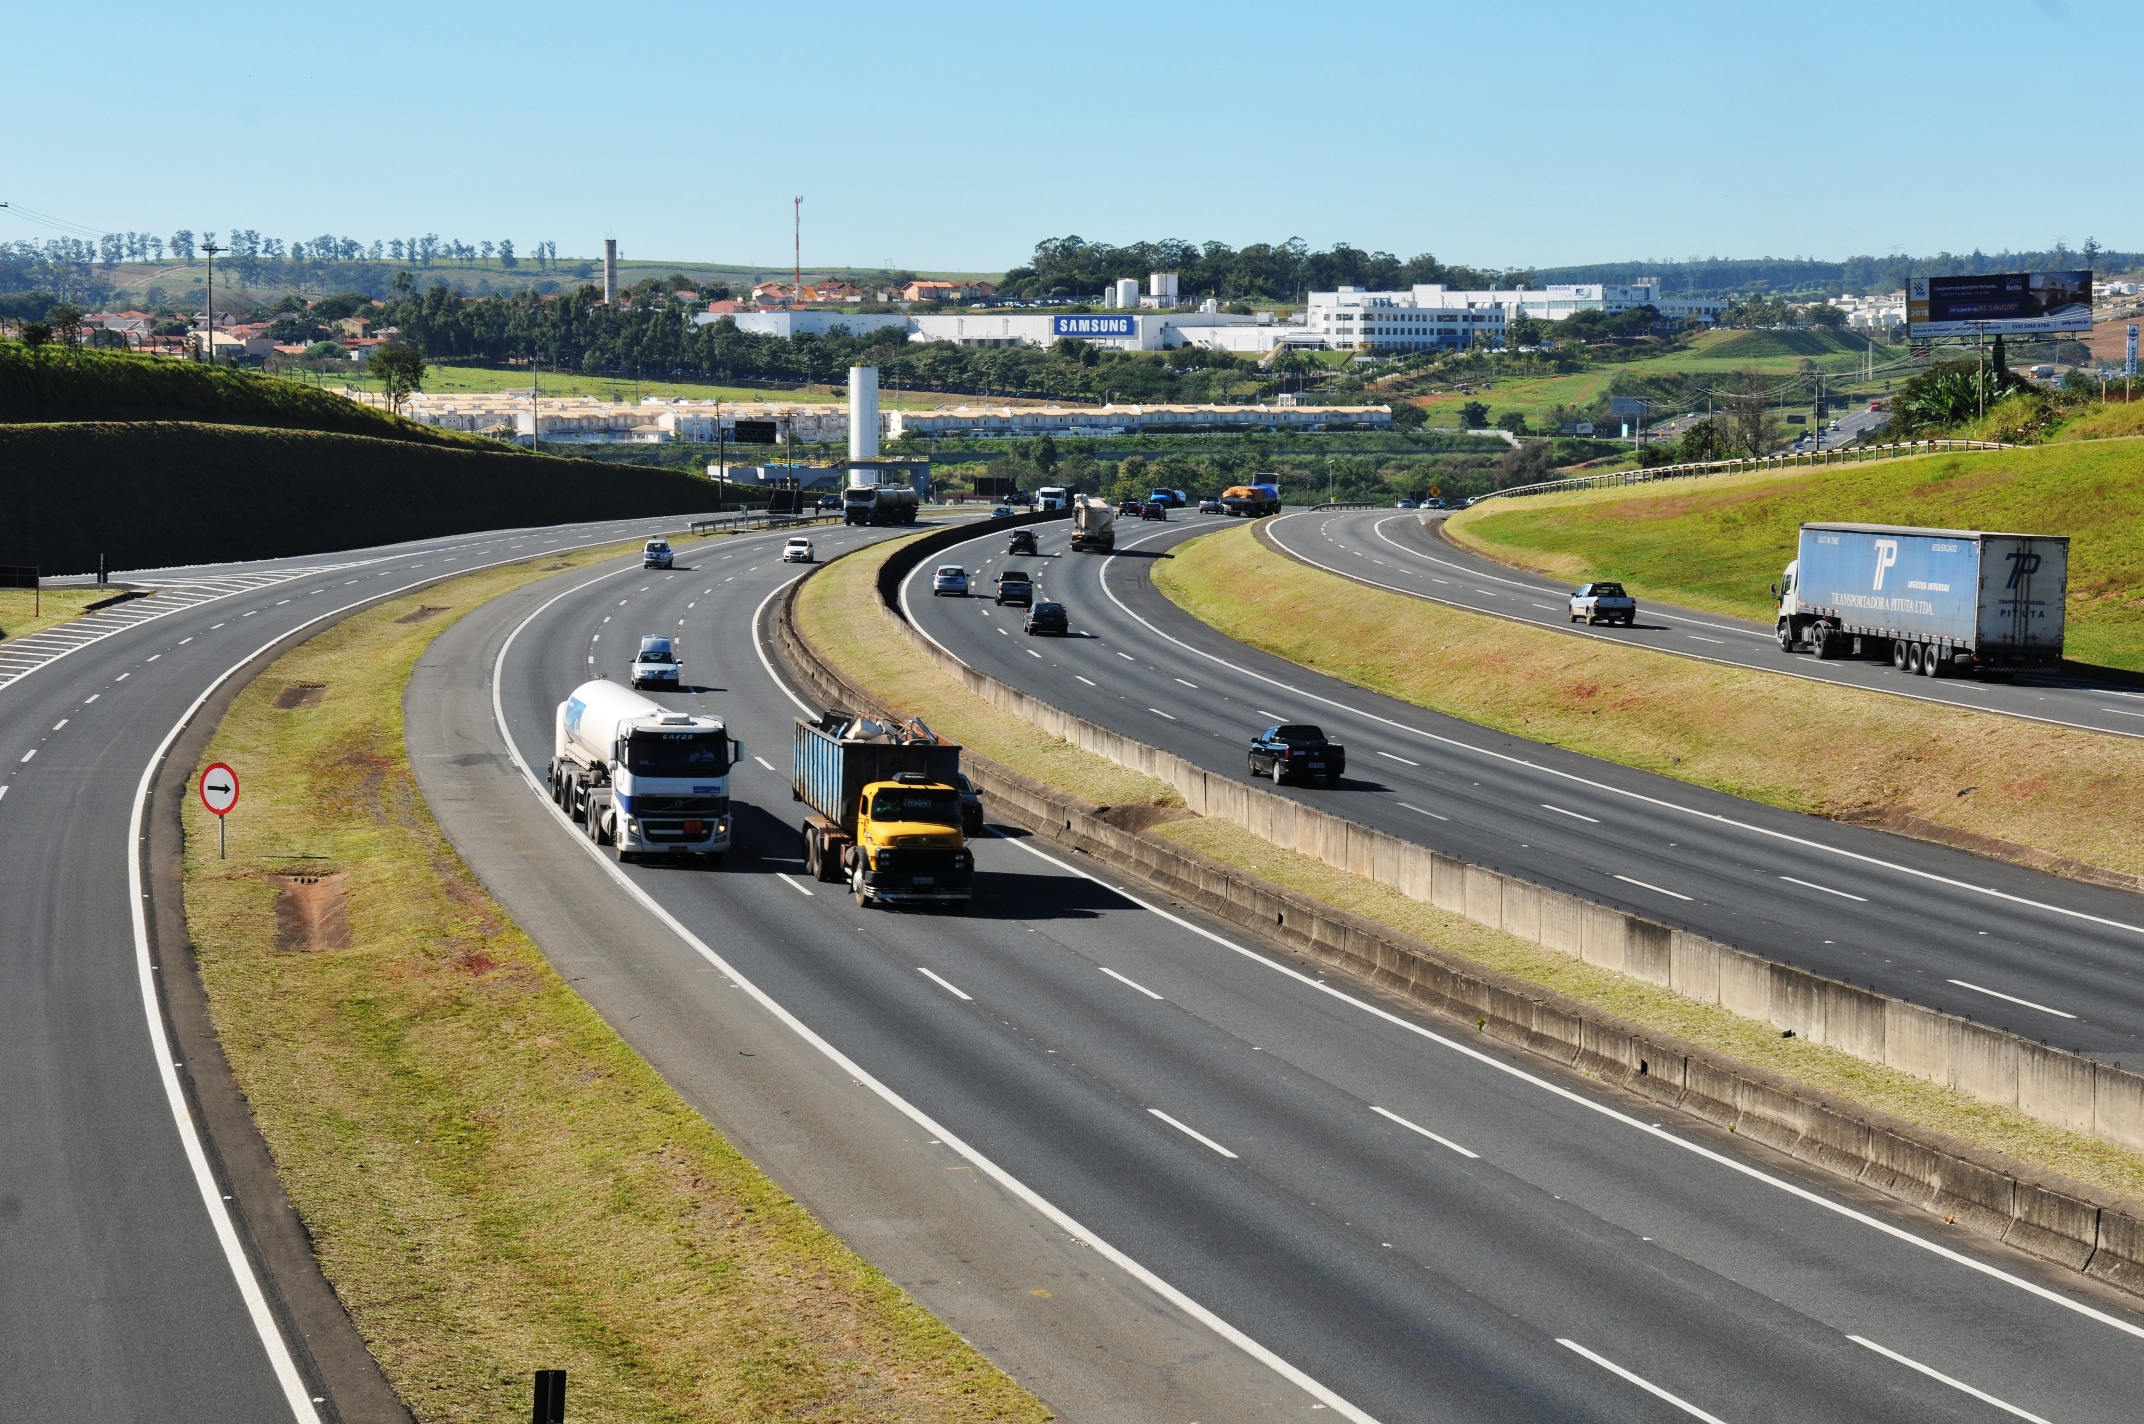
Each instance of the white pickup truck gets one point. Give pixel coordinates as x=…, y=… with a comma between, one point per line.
x=1603, y=603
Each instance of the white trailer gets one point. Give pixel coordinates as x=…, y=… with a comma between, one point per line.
x=646, y=779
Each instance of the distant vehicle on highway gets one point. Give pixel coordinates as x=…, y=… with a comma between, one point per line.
x=1604, y=602
x=1152, y=509
x=1094, y=526
x=656, y=554
x=1296, y=750
x=1003, y=511
x=1404, y=504
x=1014, y=586
x=971, y=806
x=1051, y=497
x=798, y=551
x=1173, y=498
x=1047, y=617
x=1021, y=542
x=1129, y=507
x=1212, y=506
x=1254, y=501
x=949, y=578
x=1934, y=601
x=830, y=502
x=656, y=664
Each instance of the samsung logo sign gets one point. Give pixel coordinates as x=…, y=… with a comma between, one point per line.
x=1093, y=326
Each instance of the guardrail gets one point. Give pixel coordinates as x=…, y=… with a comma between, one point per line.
x=1345, y=504
x=1845, y=455
x=759, y=519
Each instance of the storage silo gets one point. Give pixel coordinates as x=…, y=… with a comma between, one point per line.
x=863, y=413
x=1127, y=292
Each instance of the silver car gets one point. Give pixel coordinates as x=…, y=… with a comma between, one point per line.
x=949, y=578
x=1603, y=603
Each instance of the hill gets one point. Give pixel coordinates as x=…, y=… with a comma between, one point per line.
x=1719, y=543
x=52, y=383
x=1743, y=347
x=153, y=494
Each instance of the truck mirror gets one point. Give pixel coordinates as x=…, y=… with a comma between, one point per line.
x=736, y=752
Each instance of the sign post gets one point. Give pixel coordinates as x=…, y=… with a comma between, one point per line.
x=219, y=792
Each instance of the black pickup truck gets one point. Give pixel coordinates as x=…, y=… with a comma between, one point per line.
x=1297, y=751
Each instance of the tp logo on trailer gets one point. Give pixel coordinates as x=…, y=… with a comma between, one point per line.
x=2022, y=566
x=1886, y=556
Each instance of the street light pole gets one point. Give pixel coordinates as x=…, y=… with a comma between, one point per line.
x=208, y=299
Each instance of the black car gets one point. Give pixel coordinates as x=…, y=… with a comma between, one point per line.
x=830, y=501
x=971, y=807
x=1021, y=542
x=1153, y=509
x=1297, y=751
x=1047, y=618
x=1014, y=586
x=1130, y=507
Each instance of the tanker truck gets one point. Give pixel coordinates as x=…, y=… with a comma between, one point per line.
x=1092, y=521
x=866, y=501
x=643, y=778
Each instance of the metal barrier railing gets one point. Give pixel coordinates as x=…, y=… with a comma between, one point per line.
x=1845, y=455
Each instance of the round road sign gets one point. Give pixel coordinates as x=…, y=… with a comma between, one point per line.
x=219, y=789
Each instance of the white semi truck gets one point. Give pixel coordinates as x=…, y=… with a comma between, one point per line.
x=1093, y=525
x=646, y=779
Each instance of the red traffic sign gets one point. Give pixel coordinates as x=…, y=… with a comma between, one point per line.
x=219, y=789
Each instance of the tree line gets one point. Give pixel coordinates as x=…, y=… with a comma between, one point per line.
x=1071, y=268
x=1726, y=276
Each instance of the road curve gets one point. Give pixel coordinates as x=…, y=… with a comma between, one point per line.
x=1330, y=1190
x=134, y=1239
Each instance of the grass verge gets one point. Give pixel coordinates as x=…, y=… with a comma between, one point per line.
x=843, y=607
x=492, y=1178
x=1719, y=543
x=1829, y=751
x=24, y=611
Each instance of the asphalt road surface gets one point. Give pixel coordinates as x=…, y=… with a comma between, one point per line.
x=1391, y=1220
x=2049, y=958
x=127, y=1285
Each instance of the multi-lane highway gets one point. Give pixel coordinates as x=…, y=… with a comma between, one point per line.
x=131, y=1240
x=1385, y=1218
x=2046, y=957
x=1400, y=551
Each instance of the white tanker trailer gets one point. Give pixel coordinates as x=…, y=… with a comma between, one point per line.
x=645, y=778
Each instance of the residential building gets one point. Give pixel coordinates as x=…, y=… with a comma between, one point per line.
x=922, y=291
x=980, y=422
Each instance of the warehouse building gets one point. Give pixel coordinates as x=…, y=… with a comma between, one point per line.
x=1433, y=317
x=983, y=422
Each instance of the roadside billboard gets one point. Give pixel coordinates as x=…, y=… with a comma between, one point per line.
x=2004, y=304
x=1088, y=327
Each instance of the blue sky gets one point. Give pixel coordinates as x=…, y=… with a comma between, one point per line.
x=947, y=135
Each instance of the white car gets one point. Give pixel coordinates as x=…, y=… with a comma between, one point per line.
x=656, y=664
x=949, y=578
x=657, y=555
x=798, y=551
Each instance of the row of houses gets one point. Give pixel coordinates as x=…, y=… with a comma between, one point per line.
x=788, y=295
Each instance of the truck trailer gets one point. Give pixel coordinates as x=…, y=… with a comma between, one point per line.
x=886, y=809
x=868, y=501
x=1093, y=525
x=1254, y=501
x=644, y=778
x=1933, y=601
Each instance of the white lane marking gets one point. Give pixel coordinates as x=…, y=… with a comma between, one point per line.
x=3, y=793
x=1662, y=803
x=2009, y=998
x=1032, y=653
x=1641, y=1382
x=1960, y=1385
x=59, y=724
x=1274, y=715
x=1417, y=1127
x=1192, y=685
x=1812, y=885
x=1064, y=1221
x=123, y=677
x=153, y=657
x=1127, y=657
x=1658, y=890
x=1159, y=713
x=1572, y=814
x=184, y=641
x=91, y=698
x=945, y=985
x=1699, y=637
x=1400, y=759
x=1404, y=806
x=2120, y=712
x=30, y=753
x=763, y=761
x=1193, y=1133
x=792, y=884
x=1122, y=980
x=1088, y=680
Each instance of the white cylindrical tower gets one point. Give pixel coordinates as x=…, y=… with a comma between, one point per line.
x=1128, y=291
x=610, y=270
x=863, y=412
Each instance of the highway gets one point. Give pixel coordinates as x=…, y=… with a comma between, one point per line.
x=1339, y=1195
x=2049, y=958
x=131, y=1237
x=1399, y=551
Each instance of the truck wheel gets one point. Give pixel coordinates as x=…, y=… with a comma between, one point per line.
x=1786, y=636
x=1820, y=642
x=1913, y=659
x=1932, y=660
x=811, y=857
x=1898, y=653
x=576, y=808
x=856, y=888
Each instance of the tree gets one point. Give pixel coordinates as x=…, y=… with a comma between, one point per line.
x=66, y=321
x=506, y=254
x=1513, y=421
x=1751, y=417
x=1046, y=454
x=182, y=245
x=399, y=369
x=35, y=334
x=1527, y=331
x=1710, y=439
x=1474, y=415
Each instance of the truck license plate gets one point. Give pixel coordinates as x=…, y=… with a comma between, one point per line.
x=925, y=880
x=1317, y=766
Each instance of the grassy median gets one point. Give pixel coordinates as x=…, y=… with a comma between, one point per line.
x=847, y=628
x=1828, y=751
x=493, y=1180
x=24, y=611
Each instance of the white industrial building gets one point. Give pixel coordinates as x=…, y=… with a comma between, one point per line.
x=1121, y=330
x=982, y=422
x=1432, y=317
x=798, y=323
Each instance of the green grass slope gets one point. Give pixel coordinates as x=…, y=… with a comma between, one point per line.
x=155, y=494
x=52, y=383
x=1719, y=543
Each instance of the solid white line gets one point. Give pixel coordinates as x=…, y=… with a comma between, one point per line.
x=1122, y=980
x=1192, y=685
x=795, y=885
x=1088, y=680
x=2121, y=712
x=1193, y=1133
x=943, y=984
x=763, y=761
x=1654, y=888
x=1159, y=713
x=856, y=1071
x=1400, y=759
x=2009, y=998
x=1572, y=814
x=1699, y=637
x=1404, y=806
x=1812, y=885
x=1417, y=1127
x=30, y=753
x=1641, y=1382
x=1960, y=1385
x=1639, y=796
x=759, y=647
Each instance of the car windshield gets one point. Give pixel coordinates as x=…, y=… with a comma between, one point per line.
x=649, y=753
x=1607, y=590
x=917, y=804
x=1299, y=735
x=1043, y=610
x=1013, y=576
x=654, y=655
x=952, y=571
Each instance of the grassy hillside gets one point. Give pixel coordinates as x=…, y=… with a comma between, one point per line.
x=52, y=383
x=1718, y=543
x=152, y=494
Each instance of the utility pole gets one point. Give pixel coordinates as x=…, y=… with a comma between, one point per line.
x=208, y=299
x=796, y=213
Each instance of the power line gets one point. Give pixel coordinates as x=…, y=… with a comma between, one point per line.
x=48, y=220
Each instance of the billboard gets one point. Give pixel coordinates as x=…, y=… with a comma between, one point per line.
x=754, y=432
x=1088, y=327
x=2004, y=304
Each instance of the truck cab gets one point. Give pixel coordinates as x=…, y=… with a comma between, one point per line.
x=644, y=779
x=888, y=815
x=910, y=846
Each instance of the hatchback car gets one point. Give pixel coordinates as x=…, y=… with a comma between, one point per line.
x=949, y=578
x=656, y=664
x=1129, y=507
x=1603, y=603
x=1153, y=509
x=1003, y=511
x=1212, y=506
x=830, y=501
x=657, y=555
x=1014, y=586
x=799, y=551
x=1047, y=618
x=1022, y=541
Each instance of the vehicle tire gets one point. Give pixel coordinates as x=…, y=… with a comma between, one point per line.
x=1913, y=659
x=1574, y=617
x=1898, y=653
x=1630, y=620
x=571, y=791
x=812, y=869
x=1932, y=660
x=856, y=888
x=1821, y=643
x=1786, y=636
x=1254, y=772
